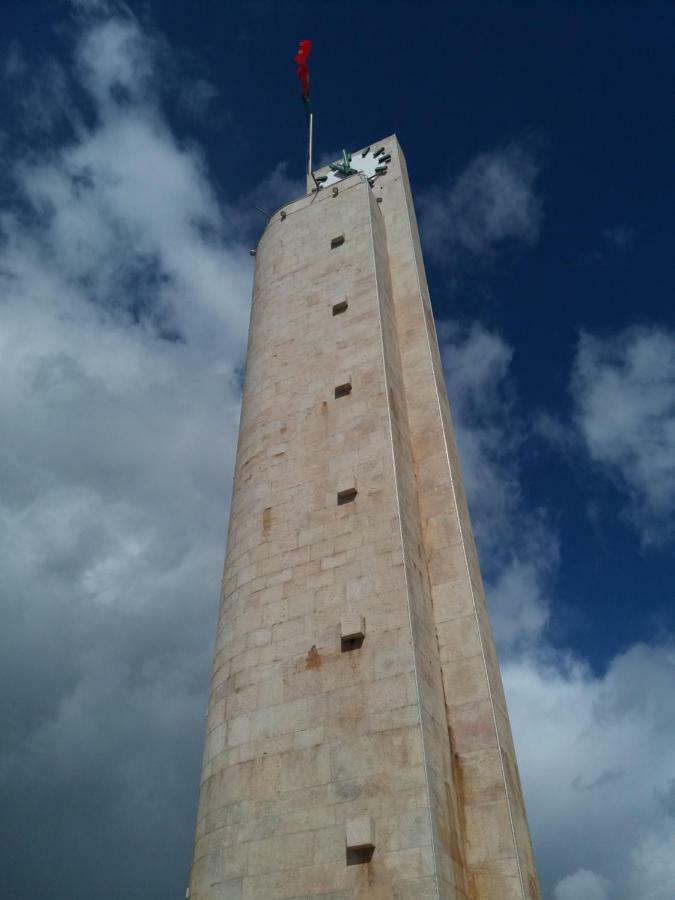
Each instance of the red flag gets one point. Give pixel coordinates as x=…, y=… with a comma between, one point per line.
x=300, y=60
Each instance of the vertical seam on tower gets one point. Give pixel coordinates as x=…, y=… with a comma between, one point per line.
x=405, y=567
x=464, y=553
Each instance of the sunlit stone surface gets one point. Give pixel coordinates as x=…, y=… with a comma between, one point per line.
x=356, y=698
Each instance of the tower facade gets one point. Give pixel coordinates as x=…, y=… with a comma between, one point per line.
x=358, y=743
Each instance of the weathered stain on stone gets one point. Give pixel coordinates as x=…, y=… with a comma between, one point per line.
x=533, y=886
x=313, y=660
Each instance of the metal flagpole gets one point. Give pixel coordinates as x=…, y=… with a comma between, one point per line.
x=311, y=181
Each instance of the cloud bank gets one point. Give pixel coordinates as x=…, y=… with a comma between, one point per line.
x=595, y=750
x=624, y=392
x=124, y=312
x=519, y=548
x=492, y=201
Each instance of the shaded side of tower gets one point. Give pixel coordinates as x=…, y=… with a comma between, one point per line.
x=358, y=742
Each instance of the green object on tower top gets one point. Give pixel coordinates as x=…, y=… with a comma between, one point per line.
x=344, y=167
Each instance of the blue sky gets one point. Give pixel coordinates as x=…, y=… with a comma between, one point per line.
x=137, y=140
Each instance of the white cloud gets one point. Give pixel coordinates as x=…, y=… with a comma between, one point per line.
x=653, y=860
x=116, y=57
x=476, y=362
x=123, y=314
x=492, y=201
x=624, y=392
x=597, y=760
x=595, y=750
x=520, y=607
x=583, y=885
x=518, y=546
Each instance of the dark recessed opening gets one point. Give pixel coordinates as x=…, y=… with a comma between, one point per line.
x=337, y=241
x=340, y=307
x=357, y=856
x=346, y=496
x=343, y=390
x=347, y=644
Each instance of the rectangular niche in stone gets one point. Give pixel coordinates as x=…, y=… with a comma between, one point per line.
x=360, y=840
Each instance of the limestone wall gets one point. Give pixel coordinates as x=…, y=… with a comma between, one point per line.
x=303, y=737
x=349, y=518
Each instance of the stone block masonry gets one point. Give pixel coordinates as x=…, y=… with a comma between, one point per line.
x=358, y=743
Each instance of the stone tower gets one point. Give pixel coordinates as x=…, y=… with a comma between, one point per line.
x=358, y=743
